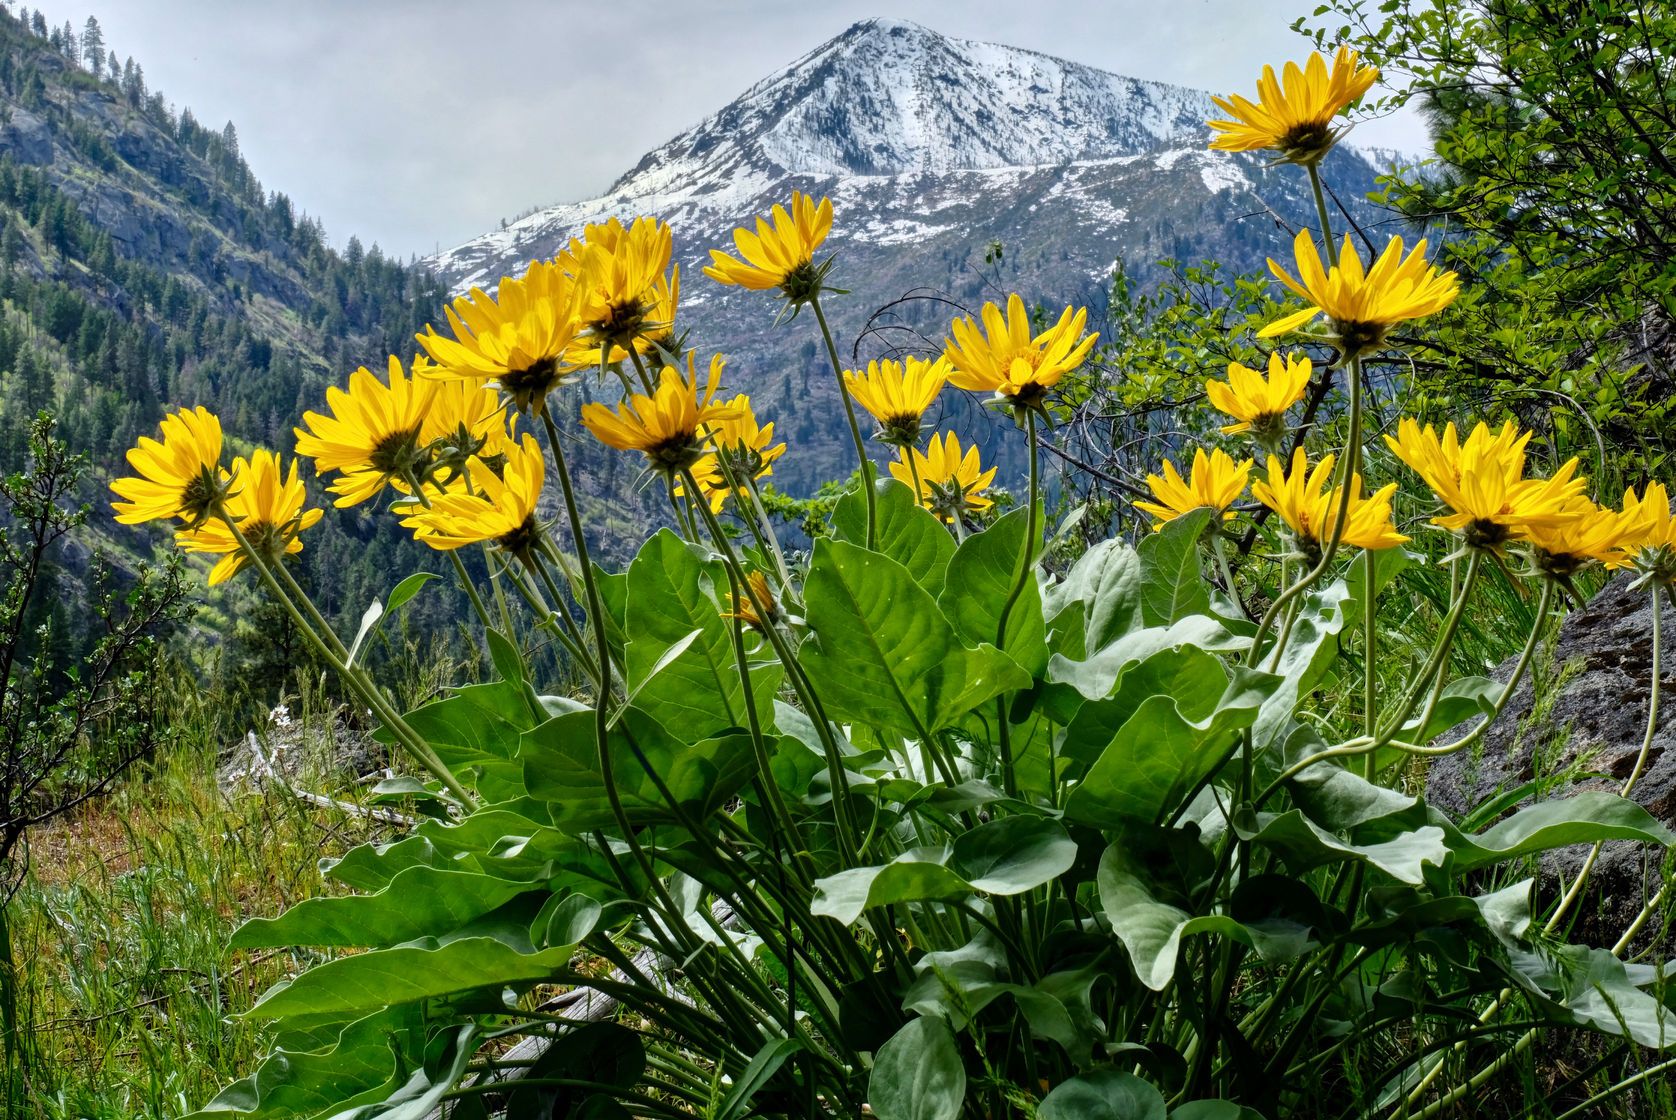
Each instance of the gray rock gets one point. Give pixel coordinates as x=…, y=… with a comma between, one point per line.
x=1590, y=731
x=27, y=137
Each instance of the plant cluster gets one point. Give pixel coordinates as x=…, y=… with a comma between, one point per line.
x=910, y=826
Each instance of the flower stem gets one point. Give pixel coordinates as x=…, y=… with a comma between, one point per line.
x=1329, y=547
x=849, y=414
x=356, y=679
x=454, y=555
x=1021, y=575
x=1321, y=210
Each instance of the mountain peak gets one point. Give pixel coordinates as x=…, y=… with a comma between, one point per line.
x=891, y=97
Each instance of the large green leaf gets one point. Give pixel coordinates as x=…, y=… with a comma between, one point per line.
x=980, y=577
x=1172, y=584
x=359, y=984
x=1094, y=677
x=918, y=1074
x=362, y=1062
x=1582, y=819
x=1196, y=680
x=1160, y=755
x=672, y=600
x=883, y=655
x=1007, y=856
x=1104, y=586
x=419, y=902
x=475, y=730
x=1311, y=650
x=1304, y=844
x=1150, y=927
x=1104, y=1094
x=906, y=531
x=562, y=767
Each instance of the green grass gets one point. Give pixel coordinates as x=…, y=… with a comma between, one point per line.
x=120, y=930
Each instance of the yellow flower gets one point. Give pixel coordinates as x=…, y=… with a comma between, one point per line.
x=465, y=419
x=950, y=483
x=1650, y=533
x=1310, y=511
x=1595, y=535
x=372, y=434
x=1215, y=481
x=1483, y=482
x=621, y=283
x=267, y=507
x=498, y=507
x=780, y=254
x=1363, y=306
x=519, y=338
x=749, y=448
x=897, y=394
x=1294, y=114
x=1257, y=404
x=179, y=477
x=670, y=427
x=1004, y=358
x=744, y=609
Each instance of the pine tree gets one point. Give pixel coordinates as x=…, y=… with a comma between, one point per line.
x=230, y=139
x=69, y=44
x=93, y=46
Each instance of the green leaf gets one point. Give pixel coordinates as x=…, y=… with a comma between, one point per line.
x=1007, y=856
x=359, y=984
x=359, y=1063
x=369, y=619
x=1159, y=755
x=1150, y=928
x=476, y=732
x=1311, y=650
x=883, y=655
x=1094, y=677
x=1105, y=586
x=918, y=1074
x=980, y=577
x=672, y=599
x=562, y=767
x=1195, y=679
x=1011, y=855
x=1104, y=1094
x=565, y=920
x=917, y=875
x=1557, y=823
x=407, y=589
x=509, y=663
x=906, y=531
x=1305, y=844
x=419, y=902
x=1214, y=1110
x=764, y=1065
x=1172, y=583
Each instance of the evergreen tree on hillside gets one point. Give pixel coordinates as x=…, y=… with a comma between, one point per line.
x=93, y=46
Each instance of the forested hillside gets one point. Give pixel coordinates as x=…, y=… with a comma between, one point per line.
x=143, y=265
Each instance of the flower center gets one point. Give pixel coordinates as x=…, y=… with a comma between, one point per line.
x=1484, y=533
x=397, y=452
x=521, y=540
x=528, y=387
x=675, y=454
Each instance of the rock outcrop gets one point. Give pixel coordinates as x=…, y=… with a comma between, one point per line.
x=1580, y=719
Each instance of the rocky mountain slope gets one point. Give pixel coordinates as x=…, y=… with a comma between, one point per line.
x=931, y=148
x=144, y=267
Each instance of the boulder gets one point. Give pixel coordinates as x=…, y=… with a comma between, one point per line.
x=1582, y=713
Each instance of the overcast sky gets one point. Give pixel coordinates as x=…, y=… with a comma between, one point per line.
x=418, y=125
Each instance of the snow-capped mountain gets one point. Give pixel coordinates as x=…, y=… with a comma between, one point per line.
x=931, y=148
